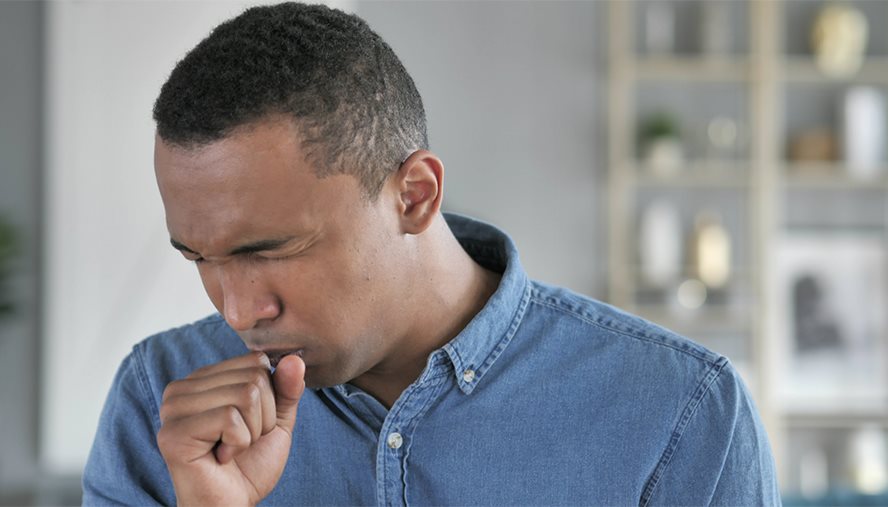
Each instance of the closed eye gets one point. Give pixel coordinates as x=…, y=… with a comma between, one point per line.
x=196, y=260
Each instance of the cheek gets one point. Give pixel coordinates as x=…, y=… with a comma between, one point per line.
x=212, y=286
x=332, y=292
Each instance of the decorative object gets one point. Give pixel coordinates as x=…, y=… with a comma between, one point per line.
x=838, y=38
x=661, y=143
x=659, y=244
x=659, y=27
x=864, y=132
x=814, y=145
x=7, y=250
x=691, y=294
x=831, y=295
x=869, y=460
x=722, y=133
x=711, y=250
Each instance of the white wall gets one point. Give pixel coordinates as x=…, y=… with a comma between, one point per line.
x=515, y=110
x=111, y=277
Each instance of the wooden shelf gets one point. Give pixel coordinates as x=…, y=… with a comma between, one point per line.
x=803, y=69
x=726, y=317
x=742, y=275
x=829, y=175
x=699, y=173
x=835, y=420
x=692, y=68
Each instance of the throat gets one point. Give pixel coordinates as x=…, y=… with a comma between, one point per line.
x=386, y=389
x=448, y=291
x=403, y=366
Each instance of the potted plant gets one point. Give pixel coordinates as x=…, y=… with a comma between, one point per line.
x=660, y=139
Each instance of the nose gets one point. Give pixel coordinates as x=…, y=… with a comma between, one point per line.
x=246, y=300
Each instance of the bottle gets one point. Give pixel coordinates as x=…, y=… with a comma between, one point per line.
x=711, y=251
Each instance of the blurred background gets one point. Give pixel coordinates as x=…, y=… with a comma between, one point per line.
x=717, y=166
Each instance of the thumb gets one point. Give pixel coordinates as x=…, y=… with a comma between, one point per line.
x=289, y=383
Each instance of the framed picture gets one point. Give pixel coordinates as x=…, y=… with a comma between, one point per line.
x=831, y=319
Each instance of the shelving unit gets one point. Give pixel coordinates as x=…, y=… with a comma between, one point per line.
x=764, y=73
x=801, y=69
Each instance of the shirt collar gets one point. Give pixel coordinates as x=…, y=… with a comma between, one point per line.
x=474, y=350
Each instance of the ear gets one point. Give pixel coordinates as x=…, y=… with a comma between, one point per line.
x=419, y=183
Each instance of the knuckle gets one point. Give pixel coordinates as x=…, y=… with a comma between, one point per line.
x=242, y=438
x=199, y=372
x=232, y=416
x=250, y=393
x=172, y=406
x=260, y=359
x=258, y=378
x=171, y=390
x=165, y=410
x=165, y=438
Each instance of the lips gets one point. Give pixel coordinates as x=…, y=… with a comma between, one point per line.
x=275, y=356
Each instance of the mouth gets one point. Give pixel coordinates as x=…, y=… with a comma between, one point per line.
x=275, y=356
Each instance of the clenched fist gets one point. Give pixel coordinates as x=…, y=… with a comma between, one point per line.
x=227, y=428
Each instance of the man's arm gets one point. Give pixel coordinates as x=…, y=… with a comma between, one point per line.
x=125, y=466
x=721, y=456
x=221, y=436
x=226, y=433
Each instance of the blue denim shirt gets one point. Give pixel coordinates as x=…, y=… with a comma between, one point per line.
x=545, y=398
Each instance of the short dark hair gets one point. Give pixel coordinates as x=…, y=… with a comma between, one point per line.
x=357, y=108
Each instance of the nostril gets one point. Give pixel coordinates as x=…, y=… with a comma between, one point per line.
x=236, y=320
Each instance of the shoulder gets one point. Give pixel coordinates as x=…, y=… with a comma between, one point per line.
x=175, y=353
x=600, y=324
x=687, y=402
x=124, y=465
x=633, y=362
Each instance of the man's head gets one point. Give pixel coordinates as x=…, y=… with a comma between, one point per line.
x=356, y=108
x=280, y=159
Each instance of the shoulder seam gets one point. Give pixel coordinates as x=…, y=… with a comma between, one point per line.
x=640, y=337
x=145, y=386
x=690, y=410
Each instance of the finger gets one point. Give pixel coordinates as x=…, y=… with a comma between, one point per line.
x=251, y=360
x=257, y=375
x=289, y=384
x=254, y=400
x=182, y=441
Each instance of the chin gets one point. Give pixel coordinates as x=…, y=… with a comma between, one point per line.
x=317, y=379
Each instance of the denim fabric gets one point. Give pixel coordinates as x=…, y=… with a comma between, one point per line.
x=545, y=398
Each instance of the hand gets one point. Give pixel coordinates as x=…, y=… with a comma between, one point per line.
x=225, y=433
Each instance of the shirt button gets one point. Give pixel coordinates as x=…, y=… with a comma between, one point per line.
x=395, y=440
x=469, y=376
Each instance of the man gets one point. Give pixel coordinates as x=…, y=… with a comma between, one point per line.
x=369, y=349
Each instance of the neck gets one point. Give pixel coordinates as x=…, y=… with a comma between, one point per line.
x=453, y=289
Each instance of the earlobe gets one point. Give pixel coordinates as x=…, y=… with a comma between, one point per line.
x=420, y=184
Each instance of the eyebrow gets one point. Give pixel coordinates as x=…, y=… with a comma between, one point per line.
x=256, y=246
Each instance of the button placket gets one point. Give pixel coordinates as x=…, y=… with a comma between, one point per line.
x=394, y=438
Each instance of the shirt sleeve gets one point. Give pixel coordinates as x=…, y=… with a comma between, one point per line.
x=124, y=465
x=721, y=456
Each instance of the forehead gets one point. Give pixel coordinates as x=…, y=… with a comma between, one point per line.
x=251, y=185
x=260, y=150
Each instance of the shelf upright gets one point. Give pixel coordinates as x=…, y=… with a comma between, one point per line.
x=764, y=30
x=620, y=111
